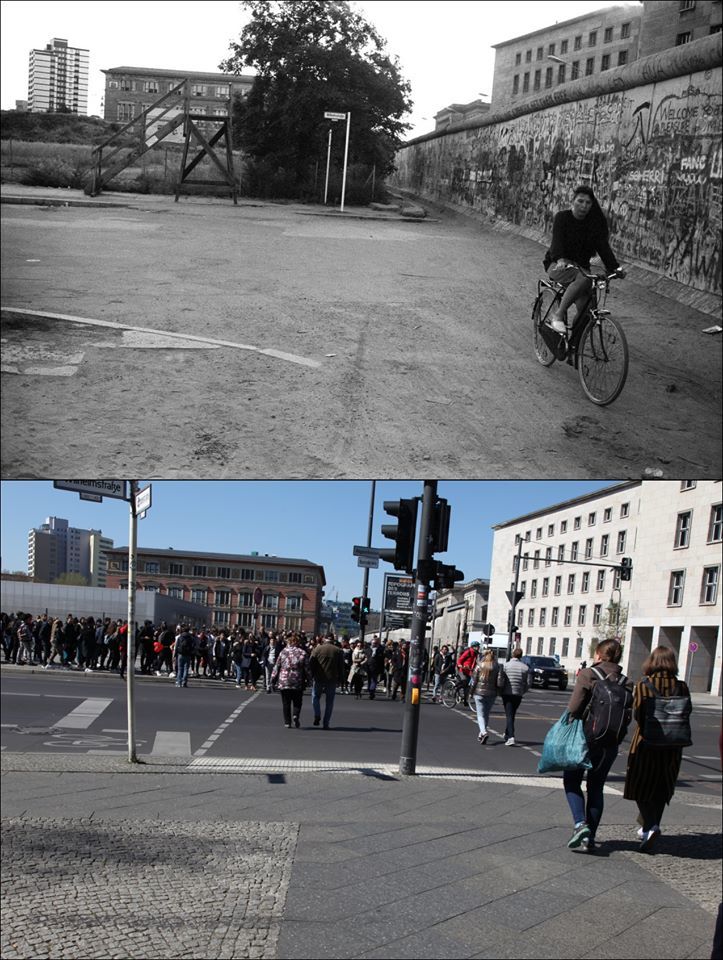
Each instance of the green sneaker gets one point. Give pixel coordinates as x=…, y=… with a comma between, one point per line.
x=580, y=833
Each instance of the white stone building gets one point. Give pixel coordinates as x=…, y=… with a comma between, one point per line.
x=671, y=530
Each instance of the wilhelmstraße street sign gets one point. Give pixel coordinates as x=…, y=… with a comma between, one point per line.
x=399, y=593
x=102, y=488
x=366, y=552
x=143, y=500
x=370, y=562
x=332, y=115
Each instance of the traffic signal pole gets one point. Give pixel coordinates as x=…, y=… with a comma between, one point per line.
x=424, y=573
x=365, y=587
x=514, y=600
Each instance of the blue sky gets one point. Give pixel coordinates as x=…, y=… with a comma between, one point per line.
x=314, y=520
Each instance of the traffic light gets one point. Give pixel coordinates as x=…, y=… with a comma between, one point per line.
x=439, y=532
x=404, y=532
x=363, y=619
x=626, y=568
x=511, y=625
x=446, y=576
x=356, y=609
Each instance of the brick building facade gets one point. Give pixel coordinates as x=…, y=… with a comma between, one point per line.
x=130, y=90
x=290, y=590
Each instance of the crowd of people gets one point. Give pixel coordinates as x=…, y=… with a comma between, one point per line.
x=91, y=644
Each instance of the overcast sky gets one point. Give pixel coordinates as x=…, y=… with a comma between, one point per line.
x=444, y=48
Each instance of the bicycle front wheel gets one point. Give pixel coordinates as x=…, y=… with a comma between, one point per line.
x=603, y=360
x=449, y=693
x=542, y=307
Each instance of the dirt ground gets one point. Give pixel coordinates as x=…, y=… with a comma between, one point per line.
x=201, y=339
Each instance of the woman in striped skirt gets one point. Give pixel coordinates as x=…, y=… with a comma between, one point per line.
x=653, y=772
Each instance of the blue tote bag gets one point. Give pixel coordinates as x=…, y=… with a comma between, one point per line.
x=565, y=747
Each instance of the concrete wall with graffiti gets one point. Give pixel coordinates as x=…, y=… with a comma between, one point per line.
x=647, y=138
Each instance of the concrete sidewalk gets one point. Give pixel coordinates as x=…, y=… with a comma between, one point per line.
x=170, y=859
x=17, y=193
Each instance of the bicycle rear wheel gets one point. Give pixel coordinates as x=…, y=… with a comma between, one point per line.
x=540, y=310
x=449, y=693
x=603, y=360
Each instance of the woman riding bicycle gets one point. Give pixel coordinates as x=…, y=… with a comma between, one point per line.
x=577, y=235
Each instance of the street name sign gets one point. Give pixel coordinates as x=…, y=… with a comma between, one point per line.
x=91, y=496
x=371, y=563
x=143, y=500
x=102, y=488
x=333, y=115
x=366, y=552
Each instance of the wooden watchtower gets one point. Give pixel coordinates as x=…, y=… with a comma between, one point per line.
x=156, y=123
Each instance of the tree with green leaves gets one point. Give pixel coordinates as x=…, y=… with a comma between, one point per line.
x=312, y=56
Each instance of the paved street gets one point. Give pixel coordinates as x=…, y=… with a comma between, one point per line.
x=264, y=842
x=202, y=339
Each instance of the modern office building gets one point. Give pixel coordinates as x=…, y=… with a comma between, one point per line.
x=250, y=591
x=573, y=594
x=55, y=548
x=58, y=79
x=586, y=46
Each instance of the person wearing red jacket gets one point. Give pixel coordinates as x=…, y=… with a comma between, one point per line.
x=466, y=662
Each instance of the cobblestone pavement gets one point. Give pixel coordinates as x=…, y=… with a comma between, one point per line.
x=143, y=888
x=167, y=859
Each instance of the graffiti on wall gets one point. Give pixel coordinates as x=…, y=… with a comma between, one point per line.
x=651, y=153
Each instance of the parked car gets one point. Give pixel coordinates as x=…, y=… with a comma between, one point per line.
x=546, y=670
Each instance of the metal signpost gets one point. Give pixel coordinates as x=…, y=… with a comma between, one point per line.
x=139, y=502
x=334, y=116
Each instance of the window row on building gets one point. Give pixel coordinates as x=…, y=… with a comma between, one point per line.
x=536, y=647
x=532, y=80
x=588, y=39
x=222, y=572
x=159, y=87
x=591, y=520
x=222, y=598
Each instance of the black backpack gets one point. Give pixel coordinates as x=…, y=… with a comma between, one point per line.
x=185, y=644
x=666, y=720
x=610, y=710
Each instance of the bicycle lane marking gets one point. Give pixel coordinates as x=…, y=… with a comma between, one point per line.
x=205, y=747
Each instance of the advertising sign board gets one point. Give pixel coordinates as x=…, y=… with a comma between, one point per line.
x=399, y=593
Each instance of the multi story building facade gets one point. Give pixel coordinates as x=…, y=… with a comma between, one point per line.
x=253, y=592
x=55, y=548
x=671, y=24
x=586, y=46
x=569, y=575
x=131, y=90
x=58, y=79
x=460, y=612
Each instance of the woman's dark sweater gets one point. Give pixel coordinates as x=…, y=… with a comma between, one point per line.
x=579, y=240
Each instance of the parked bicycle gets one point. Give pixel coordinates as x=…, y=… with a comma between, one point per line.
x=453, y=693
x=595, y=346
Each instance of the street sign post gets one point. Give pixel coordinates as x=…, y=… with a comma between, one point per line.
x=335, y=115
x=102, y=488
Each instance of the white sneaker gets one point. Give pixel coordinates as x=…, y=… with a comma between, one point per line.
x=171, y=676
x=558, y=325
x=510, y=742
x=88, y=670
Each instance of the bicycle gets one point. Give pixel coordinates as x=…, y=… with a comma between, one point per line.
x=453, y=691
x=596, y=346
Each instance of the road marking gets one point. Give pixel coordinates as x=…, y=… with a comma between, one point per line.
x=43, y=363
x=85, y=714
x=205, y=747
x=113, y=325
x=172, y=743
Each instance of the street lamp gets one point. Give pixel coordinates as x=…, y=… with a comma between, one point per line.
x=551, y=56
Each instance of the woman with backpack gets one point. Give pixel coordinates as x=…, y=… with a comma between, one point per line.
x=606, y=712
x=653, y=765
